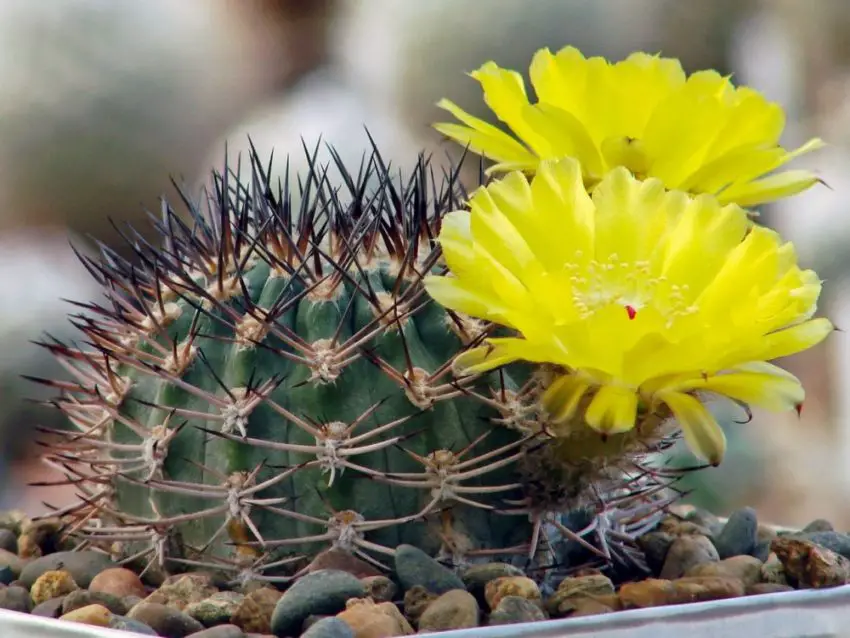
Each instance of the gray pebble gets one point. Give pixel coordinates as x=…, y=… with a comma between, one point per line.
x=165, y=621
x=329, y=628
x=740, y=534
x=6, y=575
x=819, y=525
x=12, y=561
x=221, y=631
x=515, y=609
x=83, y=566
x=321, y=592
x=835, y=541
x=8, y=540
x=655, y=546
x=49, y=608
x=83, y=597
x=687, y=552
x=122, y=623
x=762, y=550
x=415, y=567
x=15, y=599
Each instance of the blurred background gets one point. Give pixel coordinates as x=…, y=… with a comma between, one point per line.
x=103, y=101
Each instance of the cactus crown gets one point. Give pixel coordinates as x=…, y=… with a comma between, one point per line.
x=273, y=381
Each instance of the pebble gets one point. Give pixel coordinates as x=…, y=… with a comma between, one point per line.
x=654, y=592
x=685, y=552
x=415, y=567
x=96, y=615
x=819, y=525
x=38, y=538
x=321, y=592
x=767, y=588
x=254, y=613
x=379, y=588
x=739, y=535
x=514, y=609
x=8, y=540
x=165, y=621
x=834, y=541
x=12, y=561
x=416, y=601
x=511, y=586
x=590, y=607
x=811, y=566
x=343, y=561
x=15, y=598
x=374, y=620
x=6, y=576
x=762, y=550
x=220, y=631
x=773, y=571
x=456, y=609
x=82, y=597
x=705, y=519
x=49, y=608
x=329, y=628
x=83, y=566
x=655, y=546
x=118, y=581
x=182, y=592
x=51, y=585
x=476, y=577
x=122, y=623
x=576, y=588
x=747, y=569
x=218, y=609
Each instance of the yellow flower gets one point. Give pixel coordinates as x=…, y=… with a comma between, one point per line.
x=644, y=297
x=695, y=133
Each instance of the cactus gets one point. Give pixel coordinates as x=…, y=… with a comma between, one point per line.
x=273, y=381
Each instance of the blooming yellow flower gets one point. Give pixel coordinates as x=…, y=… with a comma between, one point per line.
x=644, y=297
x=695, y=133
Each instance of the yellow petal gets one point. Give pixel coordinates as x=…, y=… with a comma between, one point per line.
x=795, y=339
x=562, y=398
x=769, y=188
x=498, y=352
x=702, y=434
x=760, y=389
x=612, y=410
x=567, y=136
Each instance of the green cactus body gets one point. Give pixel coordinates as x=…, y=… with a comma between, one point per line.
x=261, y=389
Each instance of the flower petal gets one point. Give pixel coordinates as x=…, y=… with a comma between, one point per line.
x=562, y=398
x=613, y=409
x=702, y=434
x=768, y=189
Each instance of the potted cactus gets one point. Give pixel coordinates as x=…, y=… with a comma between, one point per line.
x=320, y=401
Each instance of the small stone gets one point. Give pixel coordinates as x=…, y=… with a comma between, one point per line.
x=131, y=601
x=182, y=592
x=773, y=571
x=747, y=569
x=96, y=615
x=655, y=546
x=374, y=620
x=685, y=553
x=575, y=588
x=476, y=577
x=343, y=561
x=52, y=584
x=834, y=541
x=220, y=631
x=12, y=561
x=521, y=586
x=456, y=609
x=687, y=528
x=218, y=609
x=811, y=566
x=379, y=588
x=122, y=623
x=49, y=608
x=514, y=609
x=38, y=538
x=765, y=534
x=83, y=598
x=8, y=540
x=416, y=601
x=322, y=592
x=254, y=613
x=164, y=620
x=329, y=628
x=15, y=598
x=589, y=607
x=6, y=576
x=762, y=550
x=415, y=567
x=767, y=588
x=739, y=535
x=817, y=525
x=83, y=566
x=118, y=581
x=654, y=592
x=705, y=519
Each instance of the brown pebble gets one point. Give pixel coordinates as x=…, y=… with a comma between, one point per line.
x=810, y=566
x=379, y=588
x=685, y=553
x=254, y=614
x=773, y=571
x=368, y=619
x=180, y=593
x=767, y=588
x=96, y=615
x=52, y=584
x=571, y=589
x=416, y=600
x=456, y=609
x=118, y=581
x=747, y=569
x=520, y=586
x=654, y=592
x=588, y=607
x=342, y=560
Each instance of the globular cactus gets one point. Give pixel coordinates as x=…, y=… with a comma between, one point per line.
x=274, y=381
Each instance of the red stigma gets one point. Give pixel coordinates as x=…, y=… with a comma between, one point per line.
x=799, y=409
x=632, y=312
